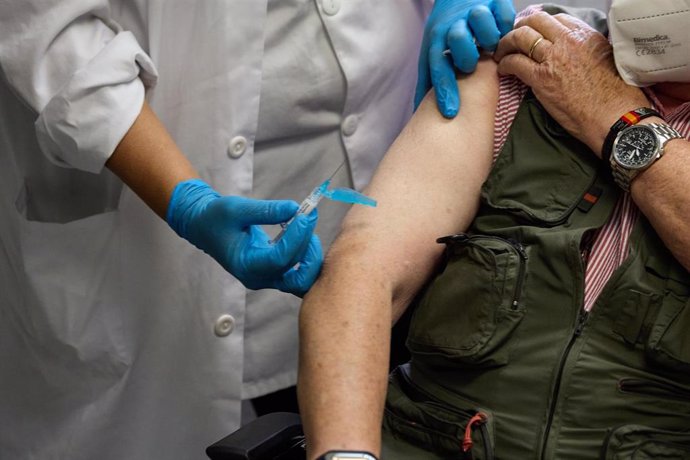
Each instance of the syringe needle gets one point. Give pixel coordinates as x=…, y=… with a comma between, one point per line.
x=336, y=171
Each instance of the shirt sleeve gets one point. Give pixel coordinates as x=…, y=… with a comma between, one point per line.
x=83, y=75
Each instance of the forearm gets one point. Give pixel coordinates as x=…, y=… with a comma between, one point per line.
x=370, y=275
x=345, y=329
x=149, y=162
x=662, y=195
x=334, y=330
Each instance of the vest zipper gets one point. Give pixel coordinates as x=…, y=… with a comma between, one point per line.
x=488, y=449
x=581, y=320
x=517, y=294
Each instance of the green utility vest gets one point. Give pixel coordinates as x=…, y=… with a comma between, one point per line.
x=505, y=362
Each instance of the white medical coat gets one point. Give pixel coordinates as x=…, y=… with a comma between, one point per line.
x=107, y=318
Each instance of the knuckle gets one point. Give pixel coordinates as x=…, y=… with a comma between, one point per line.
x=459, y=32
x=438, y=32
x=479, y=12
x=539, y=16
x=521, y=34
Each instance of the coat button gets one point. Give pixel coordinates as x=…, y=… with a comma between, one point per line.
x=224, y=325
x=237, y=147
x=349, y=125
x=330, y=7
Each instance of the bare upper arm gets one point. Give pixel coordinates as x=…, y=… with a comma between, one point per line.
x=427, y=186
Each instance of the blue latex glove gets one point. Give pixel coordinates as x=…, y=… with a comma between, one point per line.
x=454, y=25
x=228, y=229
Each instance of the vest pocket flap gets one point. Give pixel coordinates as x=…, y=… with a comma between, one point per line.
x=638, y=442
x=669, y=337
x=674, y=275
x=460, y=432
x=541, y=173
x=469, y=312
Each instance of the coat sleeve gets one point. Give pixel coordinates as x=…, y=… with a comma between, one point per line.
x=79, y=71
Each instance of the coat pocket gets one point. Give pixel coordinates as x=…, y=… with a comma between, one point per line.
x=469, y=313
x=51, y=194
x=638, y=442
x=417, y=417
x=71, y=293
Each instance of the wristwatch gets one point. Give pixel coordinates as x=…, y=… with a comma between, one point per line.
x=630, y=118
x=347, y=455
x=636, y=148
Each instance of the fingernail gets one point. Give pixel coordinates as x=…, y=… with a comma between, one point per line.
x=450, y=106
x=450, y=111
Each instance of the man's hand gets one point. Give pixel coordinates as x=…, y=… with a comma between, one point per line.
x=458, y=26
x=228, y=229
x=570, y=68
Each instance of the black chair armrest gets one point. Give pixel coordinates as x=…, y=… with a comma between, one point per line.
x=270, y=437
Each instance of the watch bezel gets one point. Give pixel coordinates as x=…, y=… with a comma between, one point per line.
x=652, y=155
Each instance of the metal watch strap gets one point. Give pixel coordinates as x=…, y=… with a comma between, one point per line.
x=624, y=176
x=346, y=455
x=628, y=119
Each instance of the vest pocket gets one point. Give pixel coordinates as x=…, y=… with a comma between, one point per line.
x=638, y=442
x=469, y=312
x=415, y=416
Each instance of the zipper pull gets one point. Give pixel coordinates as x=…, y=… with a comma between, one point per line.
x=459, y=238
x=582, y=318
x=478, y=419
x=521, y=250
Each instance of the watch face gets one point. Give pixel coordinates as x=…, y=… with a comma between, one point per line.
x=635, y=147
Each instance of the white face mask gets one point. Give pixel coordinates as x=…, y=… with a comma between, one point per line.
x=651, y=40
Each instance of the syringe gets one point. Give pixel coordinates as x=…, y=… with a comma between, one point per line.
x=309, y=203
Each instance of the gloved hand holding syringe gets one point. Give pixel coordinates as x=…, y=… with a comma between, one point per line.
x=345, y=195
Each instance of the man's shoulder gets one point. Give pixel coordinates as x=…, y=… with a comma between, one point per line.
x=593, y=17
